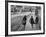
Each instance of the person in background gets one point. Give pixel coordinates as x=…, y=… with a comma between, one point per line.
x=36, y=12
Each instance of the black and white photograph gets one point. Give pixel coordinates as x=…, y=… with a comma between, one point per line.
x=24, y=18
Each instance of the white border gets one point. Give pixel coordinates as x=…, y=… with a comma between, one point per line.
x=23, y=32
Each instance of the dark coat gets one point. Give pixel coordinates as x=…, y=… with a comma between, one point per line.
x=31, y=20
x=36, y=20
x=24, y=20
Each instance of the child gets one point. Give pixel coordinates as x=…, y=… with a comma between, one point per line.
x=24, y=21
x=31, y=21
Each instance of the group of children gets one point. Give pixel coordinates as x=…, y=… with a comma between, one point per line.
x=31, y=21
